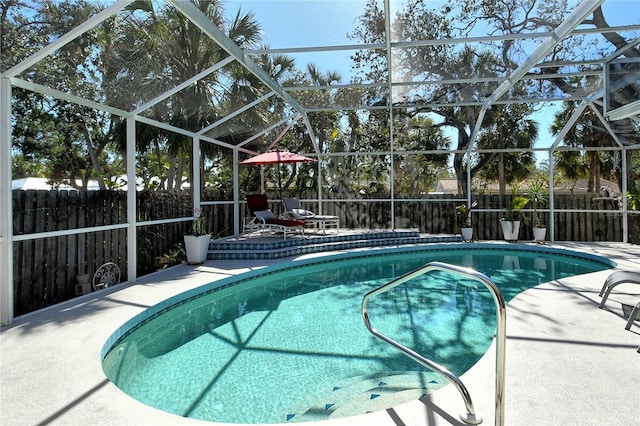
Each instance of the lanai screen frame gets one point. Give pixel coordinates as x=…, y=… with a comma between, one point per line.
x=8, y=80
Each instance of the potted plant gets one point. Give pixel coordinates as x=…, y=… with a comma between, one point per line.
x=538, y=193
x=511, y=221
x=463, y=215
x=196, y=244
x=83, y=279
x=84, y=284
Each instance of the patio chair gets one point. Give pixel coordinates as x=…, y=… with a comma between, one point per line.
x=294, y=210
x=263, y=219
x=615, y=279
x=632, y=317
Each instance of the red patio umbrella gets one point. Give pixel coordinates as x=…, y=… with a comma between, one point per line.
x=277, y=157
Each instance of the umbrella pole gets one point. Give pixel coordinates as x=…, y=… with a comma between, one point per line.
x=262, y=179
x=280, y=181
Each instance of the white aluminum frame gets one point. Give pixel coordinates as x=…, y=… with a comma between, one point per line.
x=10, y=78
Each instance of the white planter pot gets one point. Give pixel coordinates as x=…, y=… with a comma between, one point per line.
x=84, y=284
x=467, y=234
x=540, y=263
x=539, y=234
x=196, y=248
x=510, y=230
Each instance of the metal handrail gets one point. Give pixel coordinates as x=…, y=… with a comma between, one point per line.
x=470, y=417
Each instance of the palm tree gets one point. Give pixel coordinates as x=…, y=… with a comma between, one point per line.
x=169, y=50
x=587, y=132
x=507, y=127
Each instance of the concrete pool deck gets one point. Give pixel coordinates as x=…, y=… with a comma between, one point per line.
x=567, y=362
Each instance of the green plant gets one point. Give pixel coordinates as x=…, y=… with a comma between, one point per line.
x=633, y=200
x=463, y=214
x=199, y=225
x=538, y=192
x=174, y=257
x=513, y=212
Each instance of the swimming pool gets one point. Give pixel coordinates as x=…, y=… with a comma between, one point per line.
x=288, y=344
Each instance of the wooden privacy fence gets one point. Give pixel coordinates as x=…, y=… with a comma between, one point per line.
x=580, y=225
x=45, y=269
x=437, y=215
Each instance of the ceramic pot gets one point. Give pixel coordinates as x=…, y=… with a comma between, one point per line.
x=539, y=234
x=510, y=230
x=84, y=284
x=196, y=248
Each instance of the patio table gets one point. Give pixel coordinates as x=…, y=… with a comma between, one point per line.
x=322, y=222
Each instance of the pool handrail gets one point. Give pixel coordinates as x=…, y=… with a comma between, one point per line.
x=498, y=298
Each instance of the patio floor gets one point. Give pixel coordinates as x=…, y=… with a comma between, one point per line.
x=567, y=361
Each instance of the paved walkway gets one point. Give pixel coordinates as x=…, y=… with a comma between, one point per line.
x=568, y=362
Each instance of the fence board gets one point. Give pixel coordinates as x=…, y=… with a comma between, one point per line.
x=64, y=280
x=585, y=222
x=39, y=270
x=54, y=291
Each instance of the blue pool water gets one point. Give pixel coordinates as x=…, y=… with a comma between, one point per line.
x=289, y=344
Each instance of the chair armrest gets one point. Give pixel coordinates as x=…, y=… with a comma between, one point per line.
x=252, y=221
x=300, y=214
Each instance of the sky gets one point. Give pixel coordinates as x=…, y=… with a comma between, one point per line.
x=307, y=23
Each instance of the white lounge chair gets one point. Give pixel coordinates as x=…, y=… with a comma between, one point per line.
x=615, y=279
x=293, y=210
x=632, y=317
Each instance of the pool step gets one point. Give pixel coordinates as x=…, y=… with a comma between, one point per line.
x=367, y=394
x=235, y=248
x=364, y=403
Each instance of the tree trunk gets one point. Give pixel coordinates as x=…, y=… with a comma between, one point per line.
x=593, y=185
x=93, y=155
x=501, y=179
x=596, y=168
x=171, y=173
x=180, y=173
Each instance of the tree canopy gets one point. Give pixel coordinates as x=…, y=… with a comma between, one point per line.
x=437, y=118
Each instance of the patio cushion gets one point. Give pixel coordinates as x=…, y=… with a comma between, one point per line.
x=301, y=213
x=257, y=202
x=286, y=222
